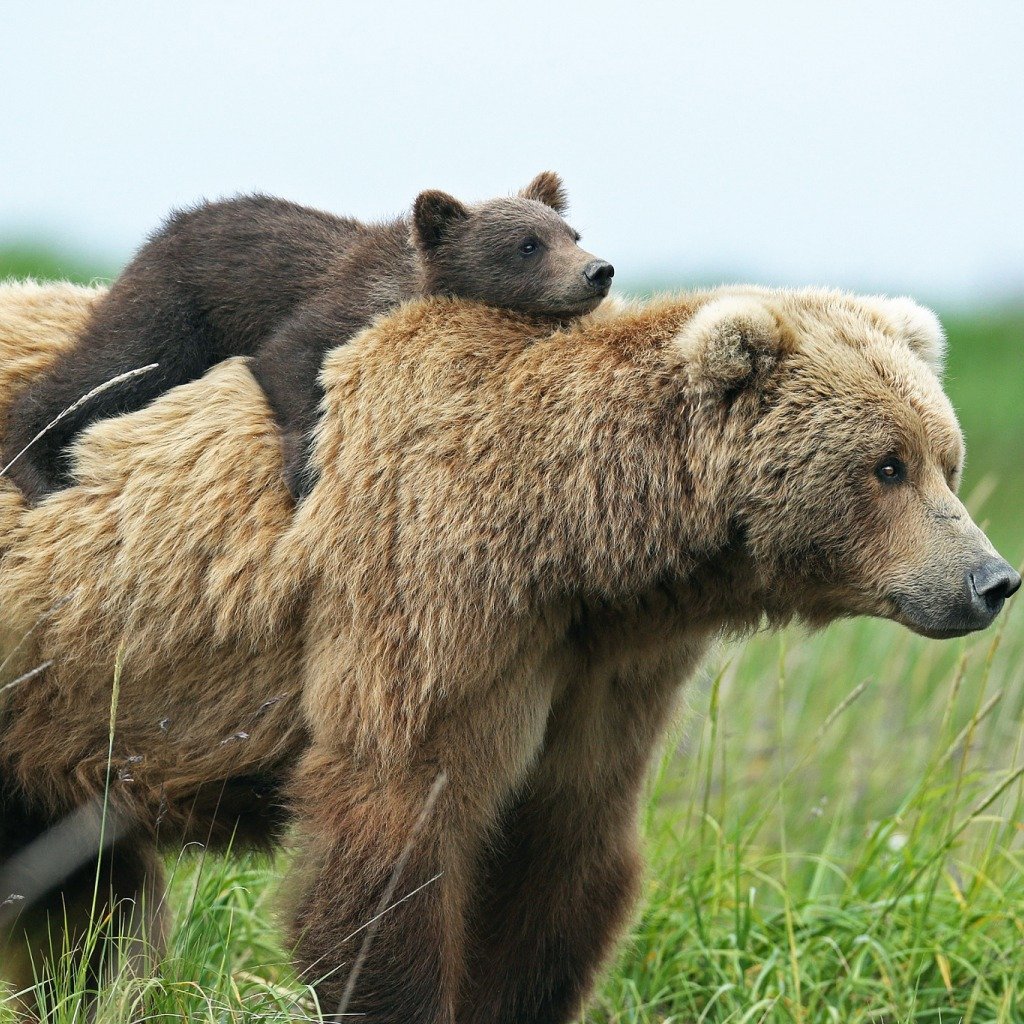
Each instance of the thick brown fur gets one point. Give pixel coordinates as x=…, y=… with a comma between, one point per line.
x=519, y=548
x=262, y=277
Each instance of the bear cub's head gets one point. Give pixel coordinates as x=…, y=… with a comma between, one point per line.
x=517, y=252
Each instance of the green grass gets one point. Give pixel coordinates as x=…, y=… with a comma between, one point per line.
x=823, y=851
x=985, y=379
x=835, y=832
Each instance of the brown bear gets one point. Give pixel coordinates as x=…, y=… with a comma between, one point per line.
x=447, y=671
x=266, y=278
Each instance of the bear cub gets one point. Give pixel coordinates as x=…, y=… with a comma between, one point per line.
x=263, y=277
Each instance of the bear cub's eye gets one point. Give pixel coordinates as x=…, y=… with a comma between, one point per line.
x=891, y=470
x=529, y=247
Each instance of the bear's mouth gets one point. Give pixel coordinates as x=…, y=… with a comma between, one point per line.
x=926, y=624
x=588, y=303
x=942, y=634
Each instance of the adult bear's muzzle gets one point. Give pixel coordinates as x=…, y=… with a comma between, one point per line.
x=975, y=598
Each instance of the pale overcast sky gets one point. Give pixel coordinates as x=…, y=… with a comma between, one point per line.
x=868, y=145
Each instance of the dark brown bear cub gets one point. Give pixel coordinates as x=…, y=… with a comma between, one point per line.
x=262, y=277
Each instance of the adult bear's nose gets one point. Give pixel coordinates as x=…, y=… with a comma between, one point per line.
x=599, y=273
x=993, y=582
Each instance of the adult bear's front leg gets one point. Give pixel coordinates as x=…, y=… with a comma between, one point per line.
x=557, y=893
x=378, y=929
x=388, y=860
x=558, y=887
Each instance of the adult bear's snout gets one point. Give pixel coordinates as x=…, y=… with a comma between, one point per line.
x=976, y=597
x=992, y=582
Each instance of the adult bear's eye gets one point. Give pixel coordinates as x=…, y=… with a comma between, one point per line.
x=891, y=471
x=529, y=247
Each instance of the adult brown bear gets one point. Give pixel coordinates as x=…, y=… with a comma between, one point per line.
x=449, y=668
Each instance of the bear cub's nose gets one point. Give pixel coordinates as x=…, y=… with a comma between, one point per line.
x=599, y=273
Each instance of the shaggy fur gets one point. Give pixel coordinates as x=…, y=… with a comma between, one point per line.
x=520, y=546
x=283, y=283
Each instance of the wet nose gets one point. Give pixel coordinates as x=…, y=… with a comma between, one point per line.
x=599, y=273
x=992, y=583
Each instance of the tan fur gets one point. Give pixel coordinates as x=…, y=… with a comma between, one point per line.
x=520, y=545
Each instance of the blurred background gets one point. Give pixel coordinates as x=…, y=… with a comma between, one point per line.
x=866, y=145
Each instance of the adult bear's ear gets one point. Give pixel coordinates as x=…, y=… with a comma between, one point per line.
x=433, y=216
x=547, y=188
x=918, y=326
x=730, y=342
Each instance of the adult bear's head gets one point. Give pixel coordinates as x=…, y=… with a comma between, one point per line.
x=848, y=482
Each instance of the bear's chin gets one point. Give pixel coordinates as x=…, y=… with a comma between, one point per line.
x=932, y=630
x=940, y=634
x=576, y=308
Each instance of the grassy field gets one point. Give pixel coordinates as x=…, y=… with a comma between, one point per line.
x=835, y=831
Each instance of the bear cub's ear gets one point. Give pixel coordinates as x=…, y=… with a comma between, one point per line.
x=433, y=216
x=547, y=188
x=730, y=342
